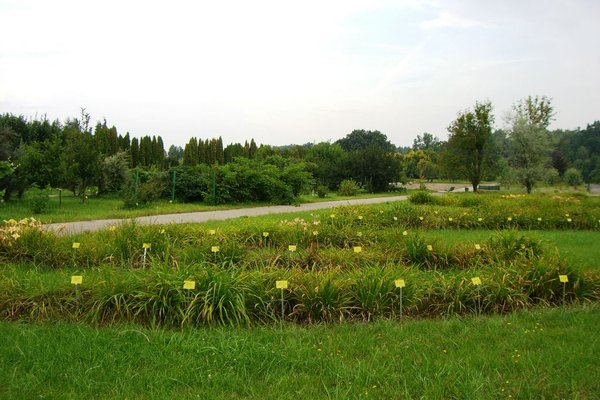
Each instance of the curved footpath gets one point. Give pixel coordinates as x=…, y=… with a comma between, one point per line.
x=69, y=228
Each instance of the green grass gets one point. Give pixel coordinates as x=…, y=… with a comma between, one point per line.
x=579, y=247
x=529, y=355
x=73, y=209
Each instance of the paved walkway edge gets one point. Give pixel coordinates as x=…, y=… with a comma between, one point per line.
x=70, y=228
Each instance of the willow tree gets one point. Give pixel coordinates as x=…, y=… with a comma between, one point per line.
x=529, y=139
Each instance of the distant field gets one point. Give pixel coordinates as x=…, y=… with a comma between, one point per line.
x=526, y=355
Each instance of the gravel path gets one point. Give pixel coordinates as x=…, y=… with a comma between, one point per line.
x=69, y=228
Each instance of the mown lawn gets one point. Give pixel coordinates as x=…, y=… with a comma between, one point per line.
x=551, y=353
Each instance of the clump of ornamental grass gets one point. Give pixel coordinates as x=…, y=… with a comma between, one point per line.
x=226, y=295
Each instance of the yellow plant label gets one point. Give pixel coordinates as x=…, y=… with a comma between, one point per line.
x=479, y=219
x=477, y=246
x=332, y=216
x=395, y=218
x=76, y=245
x=476, y=281
x=360, y=217
x=399, y=283
x=315, y=233
x=509, y=219
x=569, y=220
x=563, y=278
x=113, y=228
x=405, y=233
x=357, y=249
x=292, y=247
x=421, y=218
x=281, y=284
x=147, y=245
x=450, y=219
x=212, y=232
x=429, y=247
x=265, y=234
x=76, y=279
x=214, y=249
x=190, y=285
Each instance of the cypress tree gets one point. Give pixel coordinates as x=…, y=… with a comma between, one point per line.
x=134, y=152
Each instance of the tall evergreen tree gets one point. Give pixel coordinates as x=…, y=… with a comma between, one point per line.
x=134, y=152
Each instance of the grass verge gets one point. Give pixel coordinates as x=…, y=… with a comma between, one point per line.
x=73, y=209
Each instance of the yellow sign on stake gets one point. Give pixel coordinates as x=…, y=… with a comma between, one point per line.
x=212, y=232
x=476, y=281
x=477, y=246
x=189, y=285
x=214, y=249
x=76, y=245
x=357, y=249
x=563, y=278
x=399, y=283
x=281, y=284
x=292, y=247
x=76, y=279
x=429, y=247
x=265, y=234
x=405, y=233
x=147, y=245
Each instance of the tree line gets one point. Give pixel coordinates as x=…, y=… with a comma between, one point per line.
x=524, y=152
x=77, y=156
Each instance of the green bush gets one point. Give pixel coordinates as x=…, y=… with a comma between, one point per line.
x=552, y=177
x=573, y=177
x=348, y=187
x=322, y=191
x=422, y=197
x=39, y=200
x=192, y=183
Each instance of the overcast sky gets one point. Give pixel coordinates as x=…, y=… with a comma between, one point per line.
x=296, y=71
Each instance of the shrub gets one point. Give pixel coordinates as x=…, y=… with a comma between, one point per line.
x=573, y=177
x=39, y=200
x=348, y=187
x=422, y=197
x=192, y=183
x=151, y=187
x=552, y=177
x=321, y=191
